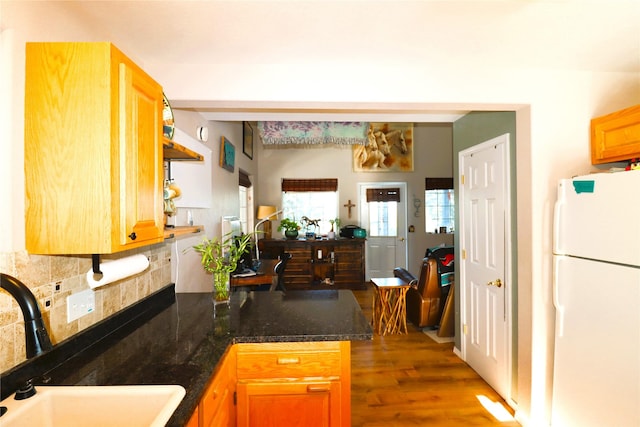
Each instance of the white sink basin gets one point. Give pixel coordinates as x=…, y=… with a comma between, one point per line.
x=96, y=406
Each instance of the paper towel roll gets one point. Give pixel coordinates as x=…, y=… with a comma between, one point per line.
x=118, y=270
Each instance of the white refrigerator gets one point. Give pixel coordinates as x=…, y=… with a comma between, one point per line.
x=596, y=293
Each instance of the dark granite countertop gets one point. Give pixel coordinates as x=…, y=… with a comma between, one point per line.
x=180, y=338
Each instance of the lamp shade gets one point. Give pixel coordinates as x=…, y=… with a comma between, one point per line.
x=265, y=212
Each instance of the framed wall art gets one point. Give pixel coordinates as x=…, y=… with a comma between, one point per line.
x=247, y=139
x=227, y=154
x=389, y=149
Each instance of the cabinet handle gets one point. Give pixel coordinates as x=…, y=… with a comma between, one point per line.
x=288, y=360
x=133, y=236
x=318, y=388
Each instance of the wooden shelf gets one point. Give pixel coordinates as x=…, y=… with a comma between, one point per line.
x=174, y=151
x=170, y=233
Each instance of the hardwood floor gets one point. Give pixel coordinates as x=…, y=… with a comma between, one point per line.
x=410, y=380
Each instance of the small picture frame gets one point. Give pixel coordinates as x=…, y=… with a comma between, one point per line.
x=227, y=154
x=247, y=139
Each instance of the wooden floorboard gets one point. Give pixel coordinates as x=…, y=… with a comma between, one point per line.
x=410, y=380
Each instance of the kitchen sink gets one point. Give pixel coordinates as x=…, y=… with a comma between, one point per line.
x=97, y=406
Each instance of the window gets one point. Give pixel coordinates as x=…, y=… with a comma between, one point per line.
x=383, y=211
x=383, y=219
x=313, y=198
x=245, y=195
x=439, y=204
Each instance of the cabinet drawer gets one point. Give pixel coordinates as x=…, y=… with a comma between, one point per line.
x=286, y=360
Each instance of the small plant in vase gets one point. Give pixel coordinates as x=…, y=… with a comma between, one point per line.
x=332, y=233
x=220, y=257
x=290, y=228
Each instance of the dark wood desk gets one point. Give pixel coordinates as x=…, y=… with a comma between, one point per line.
x=320, y=264
x=265, y=276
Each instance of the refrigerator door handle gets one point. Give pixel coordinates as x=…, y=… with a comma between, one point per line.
x=557, y=217
x=557, y=260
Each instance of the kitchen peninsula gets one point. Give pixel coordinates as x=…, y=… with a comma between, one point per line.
x=301, y=337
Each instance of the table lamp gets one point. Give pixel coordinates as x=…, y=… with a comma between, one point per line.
x=265, y=214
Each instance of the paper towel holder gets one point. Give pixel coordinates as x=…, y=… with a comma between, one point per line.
x=95, y=258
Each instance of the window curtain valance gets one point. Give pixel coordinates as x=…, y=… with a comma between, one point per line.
x=438, y=184
x=383, y=195
x=327, y=184
x=243, y=179
x=346, y=133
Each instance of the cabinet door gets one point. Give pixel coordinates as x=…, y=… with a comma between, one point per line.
x=349, y=272
x=141, y=158
x=616, y=136
x=286, y=403
x=93, y=160
x=217, y=406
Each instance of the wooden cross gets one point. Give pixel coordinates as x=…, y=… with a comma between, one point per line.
x=349, y=205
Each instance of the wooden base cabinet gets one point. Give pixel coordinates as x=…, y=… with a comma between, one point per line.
x=217, y=406
x=294, y=384
x=279, y=385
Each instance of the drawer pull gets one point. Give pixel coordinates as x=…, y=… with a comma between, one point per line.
x=318, y=388
x=288, y=360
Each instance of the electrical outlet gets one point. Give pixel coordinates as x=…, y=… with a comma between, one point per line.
x=80, y=304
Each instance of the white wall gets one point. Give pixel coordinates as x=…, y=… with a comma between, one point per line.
x=433, y=157
x=187, y=272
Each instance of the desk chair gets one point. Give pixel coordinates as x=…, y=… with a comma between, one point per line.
x=279, y=272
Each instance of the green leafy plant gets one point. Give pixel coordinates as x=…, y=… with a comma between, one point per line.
x=288, y=224
x=220, y=257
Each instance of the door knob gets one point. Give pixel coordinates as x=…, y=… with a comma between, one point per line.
x=402, y=239
x=133, y=236
x=497, y=283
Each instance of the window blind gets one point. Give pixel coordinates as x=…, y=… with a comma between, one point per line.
x=438, y=183
x=325, y=184
x=243, y=179
x=383, y=194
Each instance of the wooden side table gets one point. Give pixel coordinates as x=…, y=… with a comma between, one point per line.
x=389, y=306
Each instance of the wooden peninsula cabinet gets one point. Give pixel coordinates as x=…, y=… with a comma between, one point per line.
x=93, y=150
x=296, y=383
x=279, y=384
x=319, y=264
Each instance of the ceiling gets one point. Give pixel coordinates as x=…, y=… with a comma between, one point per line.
x=589, y=35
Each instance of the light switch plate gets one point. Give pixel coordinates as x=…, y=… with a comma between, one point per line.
x=80, y=304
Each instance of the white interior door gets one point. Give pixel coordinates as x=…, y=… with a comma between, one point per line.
x=386, y=225
x=485, y=283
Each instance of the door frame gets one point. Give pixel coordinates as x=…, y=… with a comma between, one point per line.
x=402, y=228
x=508, y=247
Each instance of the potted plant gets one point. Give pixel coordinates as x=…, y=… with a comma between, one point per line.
x=332, y=233
x=220, y=257
x=290, y=228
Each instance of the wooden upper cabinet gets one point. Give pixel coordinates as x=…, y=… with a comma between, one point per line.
x=93, y=150
x=616, y=137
